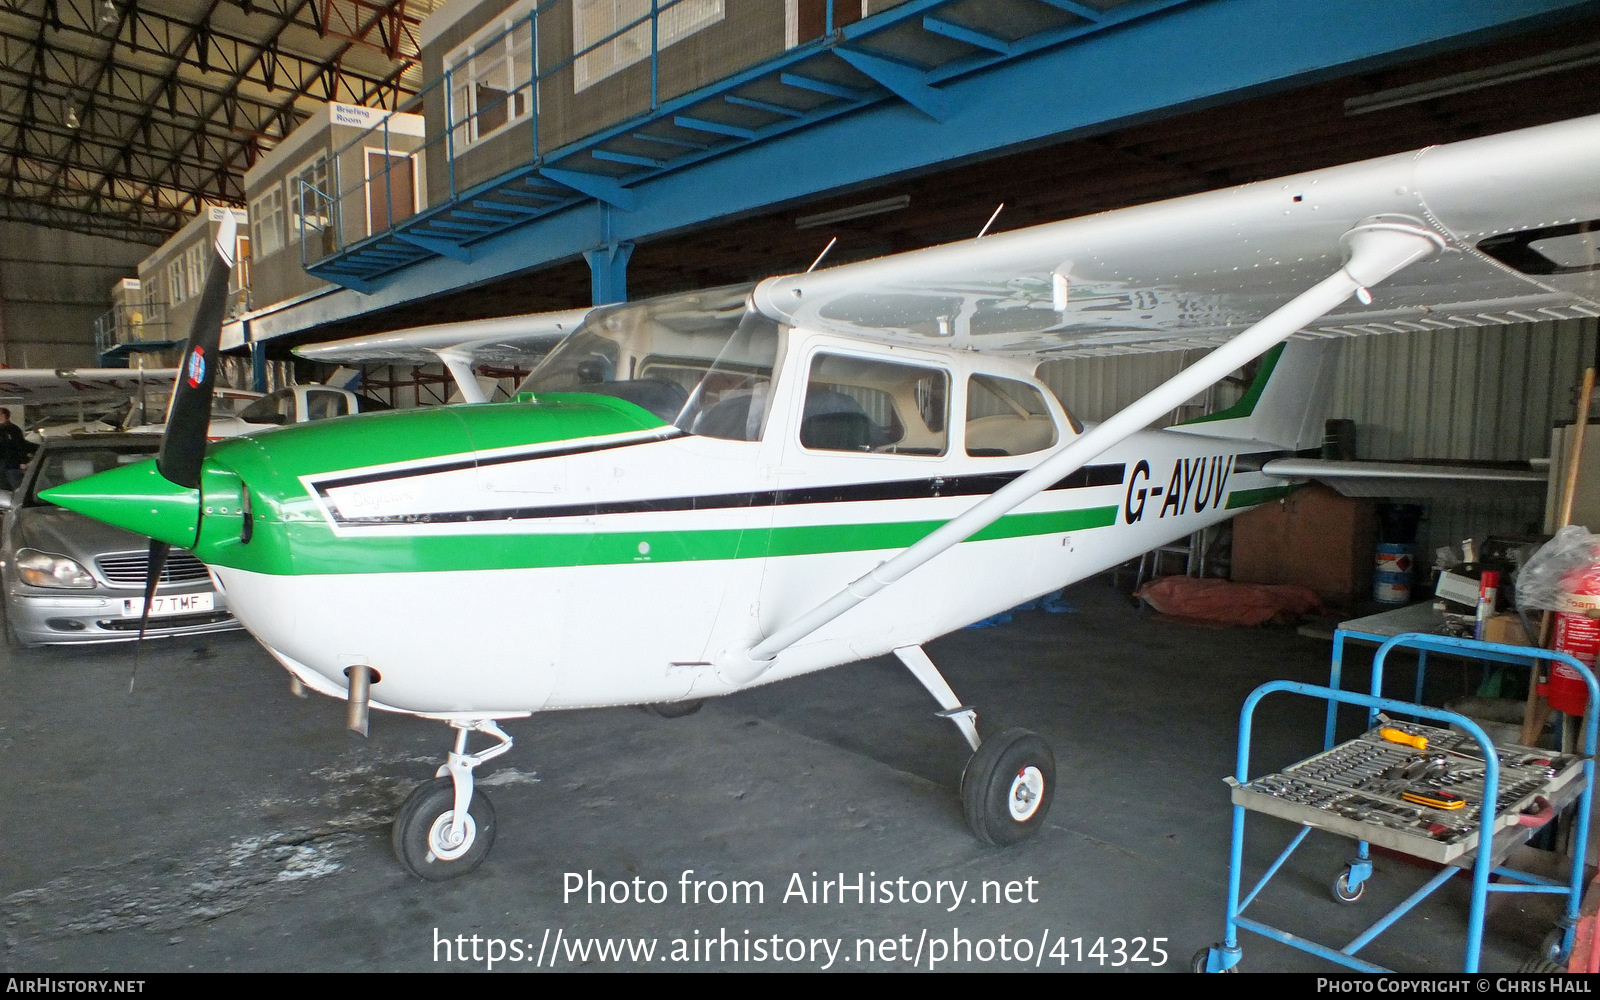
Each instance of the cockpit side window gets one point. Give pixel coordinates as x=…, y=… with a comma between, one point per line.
x=865, y=405
x=1006, y=417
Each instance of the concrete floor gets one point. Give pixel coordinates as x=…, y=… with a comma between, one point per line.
x=212, y=821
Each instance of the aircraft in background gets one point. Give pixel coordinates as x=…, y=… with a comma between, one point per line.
x=704, y=492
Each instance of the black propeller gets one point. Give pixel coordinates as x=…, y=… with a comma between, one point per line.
x=183, y=444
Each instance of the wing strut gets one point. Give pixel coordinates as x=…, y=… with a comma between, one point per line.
x=1374, y=250
x=460, y=365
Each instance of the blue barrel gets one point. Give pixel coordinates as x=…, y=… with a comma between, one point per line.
x=1391, y=582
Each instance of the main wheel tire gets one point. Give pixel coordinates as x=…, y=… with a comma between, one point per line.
x=1007, y=786
x=676, y=709
x=421, y=832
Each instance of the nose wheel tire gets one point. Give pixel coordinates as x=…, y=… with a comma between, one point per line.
x=1007, y=787
x=422, y=832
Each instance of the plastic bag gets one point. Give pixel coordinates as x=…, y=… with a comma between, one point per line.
x=1543, y=583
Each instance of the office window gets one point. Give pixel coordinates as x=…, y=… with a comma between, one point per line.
x=194, y=264
x=594, y=20
x=177, y=281
x=266, y=222
x=310, y=198
x=491, y=78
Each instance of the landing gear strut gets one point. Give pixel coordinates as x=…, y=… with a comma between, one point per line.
x=446, y=827
x=1010, y=778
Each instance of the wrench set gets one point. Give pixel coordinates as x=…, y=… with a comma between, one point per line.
x=1433, y=794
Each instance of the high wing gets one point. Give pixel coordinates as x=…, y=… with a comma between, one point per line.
x=459, y=346
x=1482, y=232
x=1513, y=212
x=38, y=386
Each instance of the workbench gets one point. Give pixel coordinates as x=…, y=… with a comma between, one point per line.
x=1420, y=618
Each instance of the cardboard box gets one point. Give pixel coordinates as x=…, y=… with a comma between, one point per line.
x=1505, y=629
x=1313, y=537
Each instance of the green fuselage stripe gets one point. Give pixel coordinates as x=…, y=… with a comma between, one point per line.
x=1249, y=498
x=315, y=552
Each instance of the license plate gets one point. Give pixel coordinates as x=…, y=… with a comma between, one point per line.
x=169, y=604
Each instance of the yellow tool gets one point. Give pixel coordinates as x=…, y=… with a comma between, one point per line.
x=1397, y=736
x=1436, y=798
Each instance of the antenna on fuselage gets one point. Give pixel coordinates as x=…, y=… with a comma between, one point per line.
x=985, y=230
x=821, y=255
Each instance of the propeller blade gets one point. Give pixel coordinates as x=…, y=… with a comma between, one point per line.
x=154, y=563
x=183, y=446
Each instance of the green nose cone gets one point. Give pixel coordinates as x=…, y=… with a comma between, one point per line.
x=135, y=497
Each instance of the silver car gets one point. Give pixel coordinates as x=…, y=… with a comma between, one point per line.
x=71, y=579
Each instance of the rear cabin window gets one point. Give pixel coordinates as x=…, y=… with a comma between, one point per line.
x=861, y=405
x=320, y=405
x=1006, y=417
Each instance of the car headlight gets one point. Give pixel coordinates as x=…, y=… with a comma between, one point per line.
x=41, y=569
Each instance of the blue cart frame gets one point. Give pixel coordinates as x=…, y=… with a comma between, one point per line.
x=1225, y=956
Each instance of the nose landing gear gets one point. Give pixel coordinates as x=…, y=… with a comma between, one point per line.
x=446, y=827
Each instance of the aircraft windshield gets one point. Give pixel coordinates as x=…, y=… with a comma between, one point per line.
x=691, y=359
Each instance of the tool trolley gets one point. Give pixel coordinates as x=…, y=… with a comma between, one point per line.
x=1458, y=801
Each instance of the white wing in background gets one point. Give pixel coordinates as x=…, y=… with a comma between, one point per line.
x=1193, y=271
x=38, y=386
x=459, y=346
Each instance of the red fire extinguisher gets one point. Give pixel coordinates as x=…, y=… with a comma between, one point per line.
x=1577, y=634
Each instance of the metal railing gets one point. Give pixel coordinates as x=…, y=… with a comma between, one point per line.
x=124, y=324
x=465, y=117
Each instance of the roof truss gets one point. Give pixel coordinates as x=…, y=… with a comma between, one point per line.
x=124, y=117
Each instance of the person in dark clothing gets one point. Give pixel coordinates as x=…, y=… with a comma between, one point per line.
x=15, y=450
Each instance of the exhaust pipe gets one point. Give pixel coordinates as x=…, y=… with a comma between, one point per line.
x=360, y=688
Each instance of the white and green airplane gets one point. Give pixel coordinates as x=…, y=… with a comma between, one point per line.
x=700, y=493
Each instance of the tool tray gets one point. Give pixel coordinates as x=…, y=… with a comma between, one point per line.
x=1334, y=791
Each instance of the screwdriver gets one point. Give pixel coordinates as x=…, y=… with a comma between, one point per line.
x=1404, y=738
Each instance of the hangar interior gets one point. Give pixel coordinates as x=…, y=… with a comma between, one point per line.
x=394, y=164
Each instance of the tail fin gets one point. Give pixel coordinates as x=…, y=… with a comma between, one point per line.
x=1286, y=403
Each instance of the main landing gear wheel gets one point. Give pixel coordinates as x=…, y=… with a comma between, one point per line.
x=1007, y=786
x=422, y=832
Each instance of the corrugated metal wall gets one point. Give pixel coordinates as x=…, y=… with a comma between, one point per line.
x=1488, y=394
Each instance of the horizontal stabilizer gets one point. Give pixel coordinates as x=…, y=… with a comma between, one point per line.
x=1407, y=480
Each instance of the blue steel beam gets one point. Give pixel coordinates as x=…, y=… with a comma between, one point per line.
x=908, y=83
x=595, y=186
x=506, y=206
x=1083, y=10
x=672, y=141
x=1191, y=54
x=717, y=128
x=608, y=272
x=638, y=161
x=777, y=109
x=816, y=86
x=965, y=35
